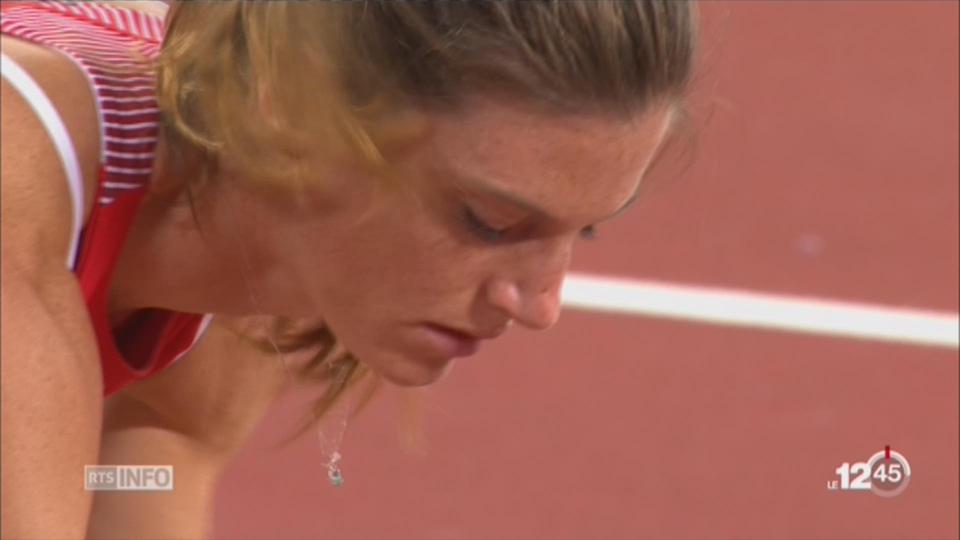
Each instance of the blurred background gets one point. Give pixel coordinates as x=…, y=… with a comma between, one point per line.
x=826, y=167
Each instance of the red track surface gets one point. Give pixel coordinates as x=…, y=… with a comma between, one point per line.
x=829, y=167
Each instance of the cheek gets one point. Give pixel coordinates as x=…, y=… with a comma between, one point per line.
x=397, y=259
x=418, y=257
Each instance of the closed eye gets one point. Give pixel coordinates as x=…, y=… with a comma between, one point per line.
x=481, y=229
x=489, y=233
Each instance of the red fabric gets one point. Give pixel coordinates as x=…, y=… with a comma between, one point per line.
x=103, y=40
x=158, y=343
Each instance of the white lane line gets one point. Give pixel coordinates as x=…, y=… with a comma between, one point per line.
x=757, y=310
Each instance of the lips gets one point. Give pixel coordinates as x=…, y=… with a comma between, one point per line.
x=450, y=343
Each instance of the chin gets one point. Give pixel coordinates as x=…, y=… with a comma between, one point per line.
x=411, y=373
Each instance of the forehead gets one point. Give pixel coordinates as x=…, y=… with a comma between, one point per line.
x=570, y=165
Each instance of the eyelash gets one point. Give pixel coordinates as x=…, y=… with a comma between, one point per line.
x=480, y=228
x=493, y=235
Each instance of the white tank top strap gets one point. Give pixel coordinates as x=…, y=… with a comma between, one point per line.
x=45, y=111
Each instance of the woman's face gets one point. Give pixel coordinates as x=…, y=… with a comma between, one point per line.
x=480, y=233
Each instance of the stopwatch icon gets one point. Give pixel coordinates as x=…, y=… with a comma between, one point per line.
x=889, y=473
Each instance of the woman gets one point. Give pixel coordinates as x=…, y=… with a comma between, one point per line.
x=365, y=187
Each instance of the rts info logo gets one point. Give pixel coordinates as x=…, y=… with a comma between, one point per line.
x=886, y=473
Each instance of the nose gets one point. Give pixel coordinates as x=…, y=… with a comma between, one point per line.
x=538, y=311
x=532, y=297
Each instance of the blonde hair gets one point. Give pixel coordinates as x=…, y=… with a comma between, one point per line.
x=263, y=82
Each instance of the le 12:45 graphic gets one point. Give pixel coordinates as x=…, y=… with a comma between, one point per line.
x=886, y=473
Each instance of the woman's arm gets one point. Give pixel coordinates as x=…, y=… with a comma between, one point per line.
x=51, y=381
x=51, y=407
x=135, y=435
x=195, y=416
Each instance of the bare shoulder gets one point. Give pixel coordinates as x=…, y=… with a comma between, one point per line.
x=51, y=380
x=36, y=198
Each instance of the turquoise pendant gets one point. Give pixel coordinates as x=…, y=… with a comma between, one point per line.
x=333, y=470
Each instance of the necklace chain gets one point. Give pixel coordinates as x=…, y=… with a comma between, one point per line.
x=329, y=446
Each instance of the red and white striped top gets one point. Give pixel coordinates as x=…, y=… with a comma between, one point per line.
x=114, y=48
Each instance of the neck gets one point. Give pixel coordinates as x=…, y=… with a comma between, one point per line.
x=172, y=259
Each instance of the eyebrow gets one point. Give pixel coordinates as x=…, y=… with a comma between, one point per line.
x=493, y=191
